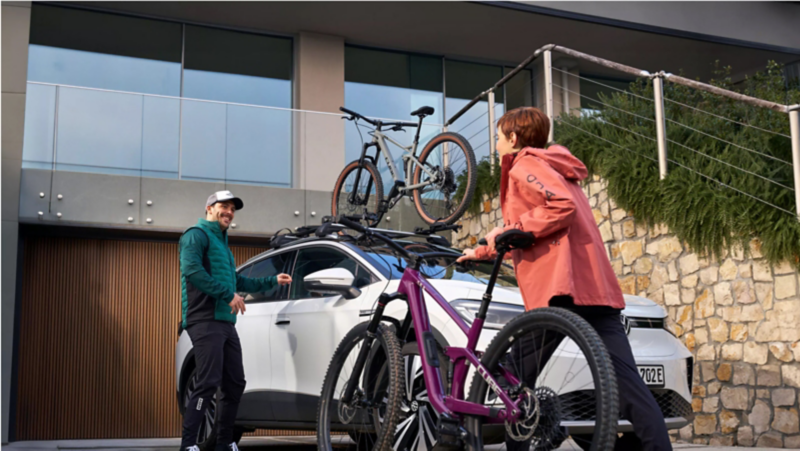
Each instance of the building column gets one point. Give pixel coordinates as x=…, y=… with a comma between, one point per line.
x=15, y=33
x=318, y=86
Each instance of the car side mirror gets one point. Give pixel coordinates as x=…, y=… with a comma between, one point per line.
x=332, y=281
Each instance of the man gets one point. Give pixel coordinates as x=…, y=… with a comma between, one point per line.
x=209, y=307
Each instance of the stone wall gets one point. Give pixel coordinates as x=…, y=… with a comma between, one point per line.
x=739, y=315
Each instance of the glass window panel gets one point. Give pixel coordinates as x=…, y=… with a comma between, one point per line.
x=259, y=146
x=108, y=51
x=391, y=85
x=467, y=80
x=518, y=90
x=160, y=137
x=99, y=131
x=40, y=109
x=203, y=141
x=474, y=124
x=464, y=81
x=311, y=260
x=237, y=67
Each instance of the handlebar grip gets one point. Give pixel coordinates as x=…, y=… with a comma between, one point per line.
x=483, y=242
x=351, y=112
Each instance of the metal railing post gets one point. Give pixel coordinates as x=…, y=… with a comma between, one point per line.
x=564, y=90
x=492, y=131
x=548, y=90
x=794, y=126
x=661, y=125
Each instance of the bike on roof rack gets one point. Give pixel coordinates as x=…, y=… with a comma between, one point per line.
x=441, y=181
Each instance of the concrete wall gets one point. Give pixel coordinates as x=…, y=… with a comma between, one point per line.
x=15, y=32
x=319, y=86
x=773, y=23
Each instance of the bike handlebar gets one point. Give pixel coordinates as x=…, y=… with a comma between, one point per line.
x=376, y=122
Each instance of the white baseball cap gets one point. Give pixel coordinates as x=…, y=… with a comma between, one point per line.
x=221, y=196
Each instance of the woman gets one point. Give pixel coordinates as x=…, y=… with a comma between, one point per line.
x=568, y=266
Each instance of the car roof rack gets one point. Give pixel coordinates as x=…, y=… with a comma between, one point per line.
x=277, y=241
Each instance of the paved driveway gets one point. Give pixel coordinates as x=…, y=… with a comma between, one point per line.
x=248, y=444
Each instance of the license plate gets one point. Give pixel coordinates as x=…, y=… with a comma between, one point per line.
x=652, y=374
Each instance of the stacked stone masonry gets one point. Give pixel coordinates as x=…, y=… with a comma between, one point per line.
x=739, y=315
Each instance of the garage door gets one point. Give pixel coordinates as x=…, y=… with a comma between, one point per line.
x=97, y=333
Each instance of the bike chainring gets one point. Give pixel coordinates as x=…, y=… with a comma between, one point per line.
x=525, y=426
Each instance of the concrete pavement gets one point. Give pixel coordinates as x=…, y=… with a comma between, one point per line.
x=248, y=444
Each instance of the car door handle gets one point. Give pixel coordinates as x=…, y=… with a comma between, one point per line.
x=282, y=321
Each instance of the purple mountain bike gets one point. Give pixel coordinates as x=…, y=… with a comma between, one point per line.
x=518, y=395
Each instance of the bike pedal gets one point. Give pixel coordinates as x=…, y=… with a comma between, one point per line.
x=450, y=433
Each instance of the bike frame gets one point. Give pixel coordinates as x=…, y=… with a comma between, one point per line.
x=409, y=159
x=413, y=285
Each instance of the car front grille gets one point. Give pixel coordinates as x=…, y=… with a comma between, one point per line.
x=580, y=405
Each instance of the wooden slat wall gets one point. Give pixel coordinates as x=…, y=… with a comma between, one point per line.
x=97, y=339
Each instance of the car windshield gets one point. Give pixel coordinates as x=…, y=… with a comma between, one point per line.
x=391, y=266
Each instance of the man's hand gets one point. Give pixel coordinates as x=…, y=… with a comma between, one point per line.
x=284, y=279
x=237, y=304
x=490, y=237
x=469, y=254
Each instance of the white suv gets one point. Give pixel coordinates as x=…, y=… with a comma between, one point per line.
x=289, y=335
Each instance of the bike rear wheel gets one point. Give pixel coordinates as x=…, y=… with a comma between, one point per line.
x=365, y=198
x=371, y=417
x=569, y=373
x=451, y=181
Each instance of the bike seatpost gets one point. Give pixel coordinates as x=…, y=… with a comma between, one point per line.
x=487, y=296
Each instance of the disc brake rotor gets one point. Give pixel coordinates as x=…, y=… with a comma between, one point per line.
x=525, y=426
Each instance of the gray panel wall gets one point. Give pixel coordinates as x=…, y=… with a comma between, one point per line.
x=15, y=32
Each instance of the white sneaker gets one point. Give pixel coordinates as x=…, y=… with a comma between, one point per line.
x=233, y=447
x=193, y=448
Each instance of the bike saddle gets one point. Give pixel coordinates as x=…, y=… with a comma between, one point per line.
x=423, y=111
x=514, y=239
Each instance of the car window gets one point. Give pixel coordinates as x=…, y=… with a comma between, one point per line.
x=268, y=267
x=313, y=259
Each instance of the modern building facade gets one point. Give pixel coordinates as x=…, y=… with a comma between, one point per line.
x=120, y=118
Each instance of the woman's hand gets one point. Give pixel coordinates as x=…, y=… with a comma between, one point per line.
x=490, y=237
x=469, y=254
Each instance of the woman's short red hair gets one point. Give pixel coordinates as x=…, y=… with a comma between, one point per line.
x=531, y=126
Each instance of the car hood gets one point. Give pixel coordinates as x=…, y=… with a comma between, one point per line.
x=635, y=306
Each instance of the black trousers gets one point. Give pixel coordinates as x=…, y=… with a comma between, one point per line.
x=636, y=402
x=218, y=355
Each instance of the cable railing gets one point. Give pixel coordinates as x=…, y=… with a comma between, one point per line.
x=659, y=120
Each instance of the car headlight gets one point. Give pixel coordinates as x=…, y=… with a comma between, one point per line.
x=496, y=317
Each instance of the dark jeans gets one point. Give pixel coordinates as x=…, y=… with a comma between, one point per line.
x=636, y=405
x=218, y=355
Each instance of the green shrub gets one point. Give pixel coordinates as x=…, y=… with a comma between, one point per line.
x=710, y=217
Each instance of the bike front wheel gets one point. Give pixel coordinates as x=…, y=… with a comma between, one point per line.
x=564, y=377
x=448, y=171
x=370, y=418
x=358, y=191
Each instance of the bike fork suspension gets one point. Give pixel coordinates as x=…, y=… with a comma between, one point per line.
x=363, y=354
